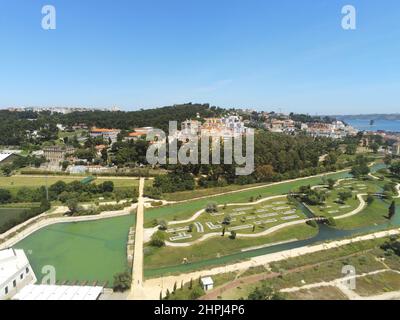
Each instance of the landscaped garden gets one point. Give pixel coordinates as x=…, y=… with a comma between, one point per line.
x=231, y=220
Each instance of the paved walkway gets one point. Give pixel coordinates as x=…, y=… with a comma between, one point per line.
x=137, y=290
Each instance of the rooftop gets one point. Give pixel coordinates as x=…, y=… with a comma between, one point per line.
x=11, y=262
x=206, y=281
x=53, y=292
x=4, y=156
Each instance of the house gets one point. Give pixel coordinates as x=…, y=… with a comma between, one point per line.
x=134, y=136
x=7, y=157
x=111, y=134
x=15, y=272
x=207, y=283
x=56, y=154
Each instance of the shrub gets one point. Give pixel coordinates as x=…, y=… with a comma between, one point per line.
x=122, y=282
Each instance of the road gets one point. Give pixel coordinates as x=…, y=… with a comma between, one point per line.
x=137, y=290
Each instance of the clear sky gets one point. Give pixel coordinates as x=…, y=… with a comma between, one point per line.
x=264, y=54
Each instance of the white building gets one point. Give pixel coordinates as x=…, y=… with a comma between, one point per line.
x=396, y=149
x=54, y=292
x=207, y=283
x=15, y=272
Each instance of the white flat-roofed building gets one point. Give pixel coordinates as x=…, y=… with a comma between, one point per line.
x=15, y=272
x=54, y=292
x=207, y=283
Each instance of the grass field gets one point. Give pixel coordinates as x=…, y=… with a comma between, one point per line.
x=16, y=182
x=8, y=214
x=318, y=267
x=378, y=283
x=320, y=293
x=216, y=249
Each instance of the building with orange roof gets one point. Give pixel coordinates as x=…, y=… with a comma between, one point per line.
x=105, y=133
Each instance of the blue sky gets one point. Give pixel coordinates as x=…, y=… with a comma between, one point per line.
x=264, y=54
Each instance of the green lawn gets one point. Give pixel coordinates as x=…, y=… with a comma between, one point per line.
x=243, y=219
x=214, y=251
x=372, y=214
x=333, y=207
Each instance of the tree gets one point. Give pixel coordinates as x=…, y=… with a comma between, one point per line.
x=395, y=168
x=211, y=207
x=5, y=196
x=264, y=172
x=107, y=186
x=360, y=170
x=265, y=293
x=72, y=205
x=158, y=239
x=344, y=196
x=163, y=225
x=375, y=147
x=227, y=220
x=64, y=165
x=58, y=187
x=351, y=149
x=7, y=170
x=388, y=159
x=331, y=183
x=392, y=210
x=370, y=199
x=175, y=286
x=122, y=282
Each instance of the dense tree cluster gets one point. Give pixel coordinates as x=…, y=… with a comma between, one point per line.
x=173, y=182
x=311, y=196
